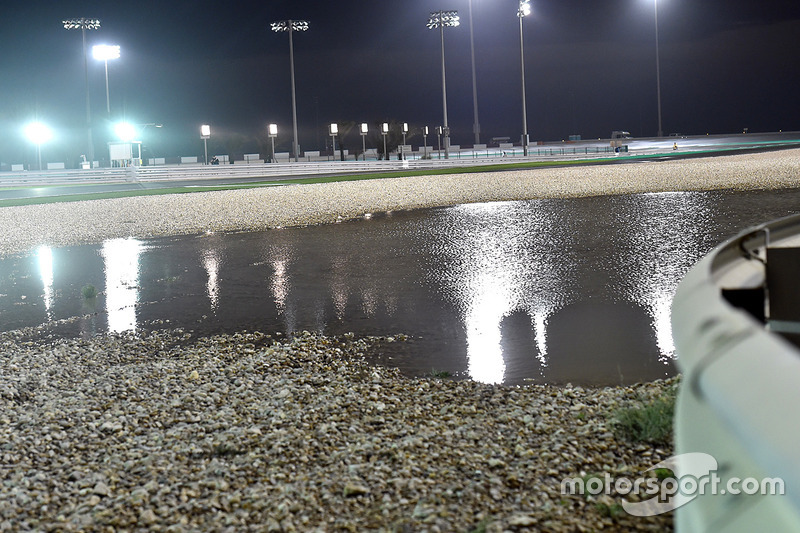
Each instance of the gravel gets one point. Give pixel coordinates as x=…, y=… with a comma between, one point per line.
x=163, y=431
x=249, y=432
x=71, y=223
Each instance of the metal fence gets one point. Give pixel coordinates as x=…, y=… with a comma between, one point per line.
x=278, y=170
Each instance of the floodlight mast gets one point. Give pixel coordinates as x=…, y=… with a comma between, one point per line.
x=476, y=127
x=523, y=11
x=104, y=52
x=438, y=20
x=84, y=24
x=292, y=26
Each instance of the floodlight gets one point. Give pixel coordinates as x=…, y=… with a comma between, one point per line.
x=524, y=8
x=364, y=128
x=443, y=19
x=273, y=130
x=38, y=133
x=104, y=52
x=125, y=131
x=286, y=25
x=334, y=129
x=385, y=127
x=205, y=130
x=81, y=24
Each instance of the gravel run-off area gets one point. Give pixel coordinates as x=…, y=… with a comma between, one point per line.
x=256, y=431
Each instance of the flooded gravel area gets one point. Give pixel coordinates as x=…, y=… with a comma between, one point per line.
x=548, y=291
x=114, y=417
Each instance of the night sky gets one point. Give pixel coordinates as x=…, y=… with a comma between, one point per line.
x=590, y=69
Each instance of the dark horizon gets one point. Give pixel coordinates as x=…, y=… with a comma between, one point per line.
x=590, y=68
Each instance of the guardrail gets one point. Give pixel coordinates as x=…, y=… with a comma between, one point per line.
x=741, y=380
x=275, y=170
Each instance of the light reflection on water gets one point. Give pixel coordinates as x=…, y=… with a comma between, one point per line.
x=542, y=290
x=121, y=265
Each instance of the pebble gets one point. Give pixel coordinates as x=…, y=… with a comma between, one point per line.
x=292, y=432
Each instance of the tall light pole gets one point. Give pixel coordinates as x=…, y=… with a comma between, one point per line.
x=104, y=52
x=292, y=26
x=364, y=131
x=476, y=127
x=273, y=132
x=523, y=11
x=658, y=74
x=425, y=142
x=333, y=131
x=84, y=24
x=438, y=20
x=205, y=133
x=405, y=131
x=384, y=131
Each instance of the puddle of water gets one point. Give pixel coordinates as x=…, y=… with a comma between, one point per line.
x=548, y=291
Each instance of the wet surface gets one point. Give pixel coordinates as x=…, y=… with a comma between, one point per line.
x=549, y=291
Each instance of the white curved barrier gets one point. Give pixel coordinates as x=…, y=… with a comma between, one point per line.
x=740, y=391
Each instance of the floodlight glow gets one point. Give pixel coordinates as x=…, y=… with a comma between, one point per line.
x=273, y=130
x=126, y=132
x=104, y=52
x=205, y=130
x=405, y=127
x=524, y=8
x=38, y=133
x=334, y=129
x=385, y=127
x=425, y=130
x=364, y=128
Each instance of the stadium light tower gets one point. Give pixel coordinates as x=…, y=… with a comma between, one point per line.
x=476, y=127
x=84, y=24
x=523, y=11
x=292, y=26
x=658, y=74
x=104, y=52
x=439, y=20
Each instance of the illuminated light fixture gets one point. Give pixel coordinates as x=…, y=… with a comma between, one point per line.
x=81, y=24
x=334, y=130
x=523, y=11
x=104, y=52
x=38, y=133
x=292, y=26
x=125, y=131
x=84, y=24
x=205, y=134
x=272, y=131
x=441, y=20
x=364, y=131
x=405, y=131
x=384, y=131
x=425, y=142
